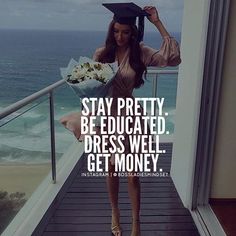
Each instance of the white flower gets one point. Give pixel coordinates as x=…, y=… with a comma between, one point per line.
x=91, y=70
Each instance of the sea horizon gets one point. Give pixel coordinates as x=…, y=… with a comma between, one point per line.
x=75, y=30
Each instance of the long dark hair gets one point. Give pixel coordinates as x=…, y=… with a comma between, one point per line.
x=108, y=54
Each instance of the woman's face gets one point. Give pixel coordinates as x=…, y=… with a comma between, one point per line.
x=122, y=34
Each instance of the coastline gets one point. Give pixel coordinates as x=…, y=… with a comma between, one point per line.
x=24, y=178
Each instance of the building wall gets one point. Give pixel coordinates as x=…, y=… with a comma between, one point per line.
x=193, y=44
x=224, y=169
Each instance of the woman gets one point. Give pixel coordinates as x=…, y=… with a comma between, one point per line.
x=123, y=45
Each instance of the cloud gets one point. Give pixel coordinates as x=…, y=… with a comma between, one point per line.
x=76, y=14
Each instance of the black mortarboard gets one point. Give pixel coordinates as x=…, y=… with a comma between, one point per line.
x=126, y=13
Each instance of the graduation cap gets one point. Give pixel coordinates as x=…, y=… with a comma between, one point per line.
x=126, y=13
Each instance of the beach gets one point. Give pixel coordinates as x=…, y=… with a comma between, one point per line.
x=24, y=178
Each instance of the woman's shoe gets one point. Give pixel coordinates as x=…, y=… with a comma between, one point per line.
x=116, y=230
x=115, y=223
x=136, y=228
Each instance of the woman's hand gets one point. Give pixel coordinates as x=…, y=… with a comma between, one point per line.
x=154, y=17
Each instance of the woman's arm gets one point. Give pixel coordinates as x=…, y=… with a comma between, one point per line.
x=169, y=53
x=154, y=18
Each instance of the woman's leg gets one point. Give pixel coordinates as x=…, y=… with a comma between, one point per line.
x=113, y=191
x=134, y=195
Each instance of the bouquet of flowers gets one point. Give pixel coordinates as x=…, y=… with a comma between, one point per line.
x=89, y=78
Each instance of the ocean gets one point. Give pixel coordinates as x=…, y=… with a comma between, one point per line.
x=30, y=61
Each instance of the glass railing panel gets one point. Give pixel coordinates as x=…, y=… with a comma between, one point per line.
x=166, y=87
x=25, y=158
x=65, y=102
x=147, y=89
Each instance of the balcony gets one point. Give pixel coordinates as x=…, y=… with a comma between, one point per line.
x=66, y=203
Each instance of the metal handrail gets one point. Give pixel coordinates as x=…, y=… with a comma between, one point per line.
x=152, y=70
x=49, y=91
x=16, y=106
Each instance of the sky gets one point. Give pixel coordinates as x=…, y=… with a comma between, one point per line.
x=79, y=14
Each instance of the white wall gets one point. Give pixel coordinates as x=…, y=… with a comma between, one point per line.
x=194, y=33
x=224, y=170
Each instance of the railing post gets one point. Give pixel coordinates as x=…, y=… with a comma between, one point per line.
x=53, y=152
x=154, y=90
